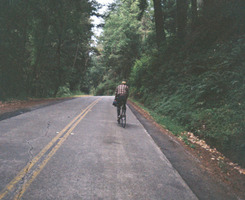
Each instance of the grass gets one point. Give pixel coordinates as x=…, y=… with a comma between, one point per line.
x=167, y=123
x=164, y=121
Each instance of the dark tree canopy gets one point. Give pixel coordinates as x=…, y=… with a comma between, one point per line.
x=44, y=46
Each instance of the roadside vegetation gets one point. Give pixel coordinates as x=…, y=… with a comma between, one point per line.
x=183, y=60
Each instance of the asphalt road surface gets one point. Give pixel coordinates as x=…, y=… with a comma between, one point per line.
x=76, y=150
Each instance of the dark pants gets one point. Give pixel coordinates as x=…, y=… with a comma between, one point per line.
x=121, y=101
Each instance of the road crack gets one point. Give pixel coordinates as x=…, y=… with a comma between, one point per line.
x=30, y=150
x=48, y=125
x=27, y=173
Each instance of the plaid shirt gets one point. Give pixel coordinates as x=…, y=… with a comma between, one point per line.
x=122, y=90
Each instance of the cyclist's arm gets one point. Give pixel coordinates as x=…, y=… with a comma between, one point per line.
x=127, y=92
x=116, y=91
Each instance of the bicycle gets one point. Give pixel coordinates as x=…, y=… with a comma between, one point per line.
x=122, y=118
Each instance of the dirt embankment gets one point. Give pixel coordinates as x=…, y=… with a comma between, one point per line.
x=16, y=107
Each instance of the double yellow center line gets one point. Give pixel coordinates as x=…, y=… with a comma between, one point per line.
x=35, y=166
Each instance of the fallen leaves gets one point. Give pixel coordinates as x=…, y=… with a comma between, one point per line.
x=215, y=154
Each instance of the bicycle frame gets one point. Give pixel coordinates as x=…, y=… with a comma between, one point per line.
x=122, y=118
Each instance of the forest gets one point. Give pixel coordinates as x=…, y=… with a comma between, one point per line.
x=182, y=59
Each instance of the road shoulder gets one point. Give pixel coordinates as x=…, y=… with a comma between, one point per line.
x=18, y=107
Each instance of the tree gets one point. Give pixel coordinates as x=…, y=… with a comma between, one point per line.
x=121, y=39
x=45, y=46
x=181, y=19
x=193, y=13
x=13, y=54
x=159, y=22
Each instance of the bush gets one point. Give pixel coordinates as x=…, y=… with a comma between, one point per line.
x=106, y=88
x=203, y=92
x=63, y=91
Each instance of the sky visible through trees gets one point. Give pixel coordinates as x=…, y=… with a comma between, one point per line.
x=99, y=20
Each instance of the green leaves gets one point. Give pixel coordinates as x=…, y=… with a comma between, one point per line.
x=121, y=39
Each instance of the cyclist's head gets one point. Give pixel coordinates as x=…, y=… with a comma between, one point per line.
x=124, y=82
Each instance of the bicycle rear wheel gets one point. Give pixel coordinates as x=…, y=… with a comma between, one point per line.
x=118, y=119
x=123, y=119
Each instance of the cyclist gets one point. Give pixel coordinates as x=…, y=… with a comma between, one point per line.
x=121, y=95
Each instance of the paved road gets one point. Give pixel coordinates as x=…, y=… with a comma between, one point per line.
x=76, y=150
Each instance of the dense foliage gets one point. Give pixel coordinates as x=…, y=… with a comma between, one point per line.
x=44, y=46
x=193, y=75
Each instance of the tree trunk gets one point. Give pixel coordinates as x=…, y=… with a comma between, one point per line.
x=58, y=79
x=193, y=14
x=207, y=3
x=159, y=23
x=181, y=18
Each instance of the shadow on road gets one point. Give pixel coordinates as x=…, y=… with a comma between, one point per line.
x=129, y=126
